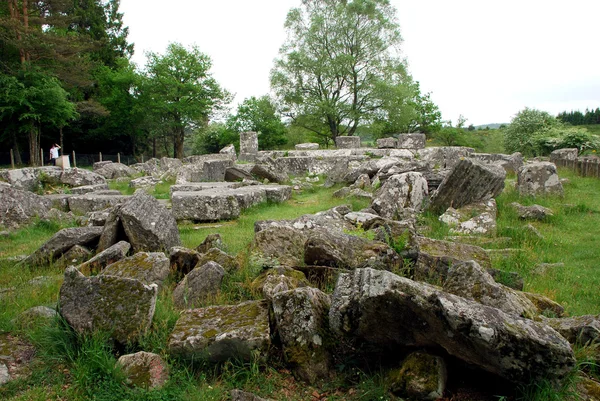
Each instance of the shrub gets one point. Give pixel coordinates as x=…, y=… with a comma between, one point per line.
x=525, y=127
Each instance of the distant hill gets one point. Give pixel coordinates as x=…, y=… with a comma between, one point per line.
x=490, y=126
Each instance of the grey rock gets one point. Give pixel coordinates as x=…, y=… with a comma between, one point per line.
x=411, y=141
x=198, y=285
x=307, y=146
x=540, y=178
x=229, y=263
x=233, y=174
x=93, y=202
x=248, y=143
x=204, y=206
x=144, y=182
x=278, y=279
x=144, y=370
x=115, y=170
x=279, y=245
x=580, y=330
x=74, y=256
x=20, y=207
x=215, y=170
x=387, y=143
x=323, y=248
x=110, y=255
x=61, y=242
x=239, y=395
x=471, y=281
x=301, y=316
x=477, y=218
x=85, y=189
x=444, y=157
x=347, y=142
x=435, y=258
x=269, y=172
x=122, y=307
x=148, y=225
x=533, y=212
x=220, y=333
x=4, y=374
x=391, y=312
x=229, y=150
x=567, y=154
x=408, y=190
x=469, y=182
x=35, y=315
x=146, y=267
x=76, y=177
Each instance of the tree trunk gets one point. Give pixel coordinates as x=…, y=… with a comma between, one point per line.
x=16, y=152
x=60, y=130
x=179, y=138
x=34, y=149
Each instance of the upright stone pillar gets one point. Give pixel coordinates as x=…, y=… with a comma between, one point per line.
x=248, y=146
x=347, y=142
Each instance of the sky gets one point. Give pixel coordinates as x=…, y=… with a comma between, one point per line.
x=482, y=59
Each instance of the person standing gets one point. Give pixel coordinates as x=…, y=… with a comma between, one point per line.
x=54, y=153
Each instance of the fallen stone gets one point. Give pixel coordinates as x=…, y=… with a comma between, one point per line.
x=419, y=315
x=469, y=182
x=238, y=395
x=545, y=306
x=146, y=267
x=144, y=182
x=580, y=330
x=267, y=171
x=387, y=143
x=148, y=225
x=115, y=170
x=122, y=307
x=233, y=174
x=198, y=285
x=540, y=178
x=411, y=141
x=144, y=370
x=347, y=142
x=220, y=333
x=226, y=261
x=306, y=146
x=301, y=316
x=278, y=279
x=567, y=154
x=279, y=245
x=533, y=212
x=61, y=242
x=408, y=190
x=76, y=177
x=20, y=207
x=110, y=255
x=422, y=376
x=74, y=256
x=93, y=202
x=443, y=157
x=474, y=219
x=85, y=189
x=183, y=260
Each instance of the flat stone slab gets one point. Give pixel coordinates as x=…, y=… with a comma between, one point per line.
x=224, y=203
x=201, y=186
x=91, y=202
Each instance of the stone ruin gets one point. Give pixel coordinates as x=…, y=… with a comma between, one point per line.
x=128, y=246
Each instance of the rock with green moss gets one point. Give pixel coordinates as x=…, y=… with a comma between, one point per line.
x=422, y=376
x=580, y=330
x=330, y=220
x=301, y=318
x=94, y=202
x=279, y=245
x=74, y=256
x=200, y=284
x=239, y=395
x=111, y=255
x=211, y=241
x=539, y=178
x=469, y=182
x=144, y=370
x=545, y=306
x=123, y=307
x=61, y=242
x=146, y=267
x=35, y=316
x=220, y=333
x=346, y=251
x=471, y=281
x=77, y=177
x=148, y=225
x=533, y=212
x=391, y=313
x=20, y=207
x=278, y=279
x=401, y=191
x=436, y=256
x=229, y=263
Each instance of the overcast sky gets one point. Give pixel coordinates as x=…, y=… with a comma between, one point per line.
x=483, y=59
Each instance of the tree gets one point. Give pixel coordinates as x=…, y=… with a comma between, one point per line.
x=340, y=65
x=183, y=91
x=525, y=127
x=259, y=115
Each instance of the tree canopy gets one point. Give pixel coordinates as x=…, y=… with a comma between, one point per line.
x=341, y=67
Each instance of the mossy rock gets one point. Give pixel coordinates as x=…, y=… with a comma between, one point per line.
x=421, y=376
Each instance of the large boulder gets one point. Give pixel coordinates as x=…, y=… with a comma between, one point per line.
x=279, y=245
x=411, y=141
x=269, y=172
x=477, y=218
x=469, y=182
x=435, y=257
x=323, y=248
x=220, y=333
x=146, y=267
x=539, y=178
x=20, y=207
x=422, y=376
x=387, y=143
x=301, y=316
x=278, y=279
x=391, y=313
x=183, y=260
x=148, y=224
x=115, y=170
x=443, y=157
x=197, y=286
x=402, y=191
x=471, y=281
x=347, y=142
x=533, y=212
x=93, y=202
x=123, y=307
x=580, y=330
x=76, y=177
x=564, y=155
x=61, y=242
x=205, y=206
x=306, y=146
x=228, y=262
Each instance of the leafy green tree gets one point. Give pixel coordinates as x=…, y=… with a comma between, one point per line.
x=527, y=125
x=214, y=137
x=259, y=115
x=183, y=91
x=340, y=65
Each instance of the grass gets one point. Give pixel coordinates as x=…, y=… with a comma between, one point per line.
x=73, y=367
